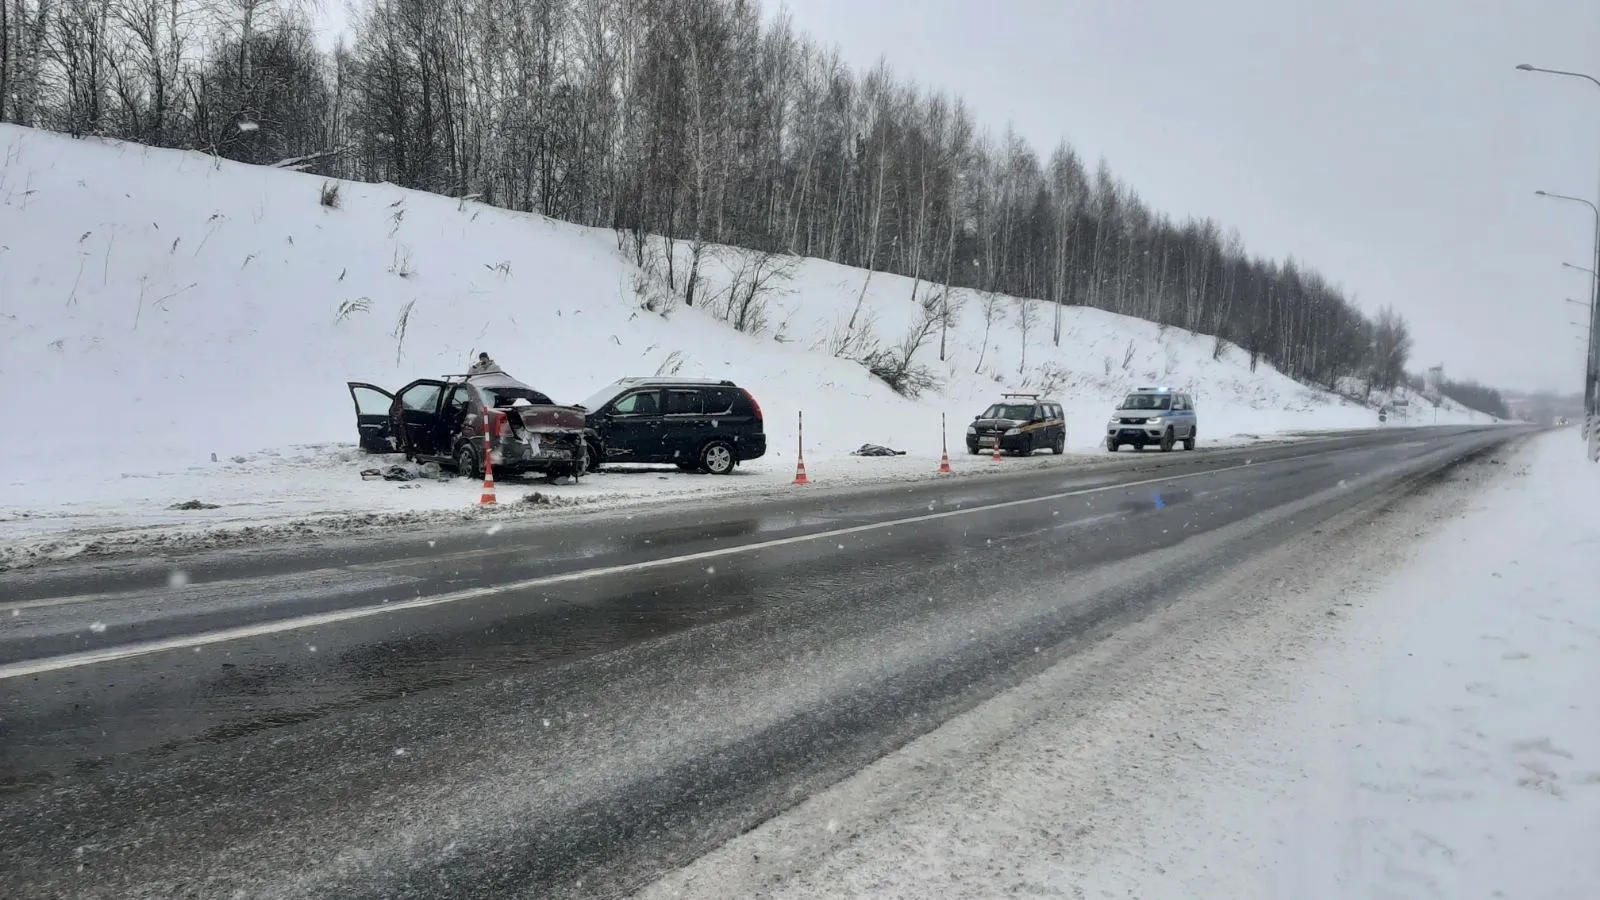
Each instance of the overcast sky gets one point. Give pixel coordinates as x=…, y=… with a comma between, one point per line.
x=1389, y=144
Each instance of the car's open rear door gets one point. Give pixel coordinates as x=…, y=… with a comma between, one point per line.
x=372, y=417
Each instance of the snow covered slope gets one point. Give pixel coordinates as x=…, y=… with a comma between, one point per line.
x=158, y=307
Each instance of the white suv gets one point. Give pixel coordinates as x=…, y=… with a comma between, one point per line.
x=1152, y=415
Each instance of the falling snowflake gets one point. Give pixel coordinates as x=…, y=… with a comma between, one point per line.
x=494, y=529
x=546, y=723
x=711, y=570
x=98, y=627
x=312, y=647
x=399, y=751
x=177, y=579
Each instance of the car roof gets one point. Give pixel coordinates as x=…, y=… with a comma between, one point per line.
x=668, y=380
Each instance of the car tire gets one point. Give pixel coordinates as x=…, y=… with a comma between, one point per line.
x=467, y=464
x=1188, y=442
x=973, y=450
x=1060, y=446
x=1112, y=446
x=1168, y=438
x=596, y=455
x=717, y=458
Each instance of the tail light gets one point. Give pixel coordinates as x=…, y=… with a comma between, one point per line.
x=755, y=406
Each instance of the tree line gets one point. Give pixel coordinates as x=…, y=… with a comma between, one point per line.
x=702, y=121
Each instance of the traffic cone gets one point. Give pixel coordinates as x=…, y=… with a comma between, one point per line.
x=488, y=486
x=800, y=478
x=997, y=451
x=487, y=498
x=944, y=448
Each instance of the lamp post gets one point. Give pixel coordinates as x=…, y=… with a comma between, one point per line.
x=1591, y=381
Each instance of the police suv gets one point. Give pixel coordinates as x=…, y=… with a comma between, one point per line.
x=1152, y=415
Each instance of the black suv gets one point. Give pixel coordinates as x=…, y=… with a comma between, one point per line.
x=1021, y=424
x=699, y=425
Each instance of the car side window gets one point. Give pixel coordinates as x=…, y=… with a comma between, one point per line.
x=422, y=398
x=684, y=403
x=718, y=401
x=642, y=403
x=459, y=398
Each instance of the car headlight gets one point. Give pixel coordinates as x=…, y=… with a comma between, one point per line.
x=1156, y=421
x=1012, y=431
x=972, y=429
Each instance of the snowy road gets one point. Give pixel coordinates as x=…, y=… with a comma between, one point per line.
x=1423, y=724
x=538, y=712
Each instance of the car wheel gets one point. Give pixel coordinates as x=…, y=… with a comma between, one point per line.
x=1112, y=446
x=596, y=455
x=1188, y=442
x=717, y=458
x=1060, y=446
x=1167, y=441
x=467, y=462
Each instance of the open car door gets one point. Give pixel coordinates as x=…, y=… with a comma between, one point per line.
x=372, y=417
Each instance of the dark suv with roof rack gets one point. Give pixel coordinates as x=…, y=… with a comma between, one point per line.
x=699, y=425
x=1019, y=424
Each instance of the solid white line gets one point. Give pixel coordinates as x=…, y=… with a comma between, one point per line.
x=128, y=651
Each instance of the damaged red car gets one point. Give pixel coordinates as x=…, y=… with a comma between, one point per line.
x=443, y=421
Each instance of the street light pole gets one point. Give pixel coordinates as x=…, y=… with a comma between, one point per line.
x=1591, y=385
x=1591, y=371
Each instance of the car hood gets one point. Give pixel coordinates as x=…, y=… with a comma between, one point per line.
x=1140, y=413
x=1000, y=423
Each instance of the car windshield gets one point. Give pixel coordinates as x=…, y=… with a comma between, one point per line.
x=1147, y=401
x=602, y=397
x=1021, y=411
x=505, y=396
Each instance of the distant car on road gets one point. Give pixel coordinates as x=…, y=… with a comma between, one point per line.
x=1153, y=415
x=699, y=425
x=442, y=420
x=1019, y=424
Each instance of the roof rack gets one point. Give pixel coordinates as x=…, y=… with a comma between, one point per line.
x=1034, y=396
x=673, y=379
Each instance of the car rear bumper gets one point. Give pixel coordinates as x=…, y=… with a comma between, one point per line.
x=752, y=446
x=539, y=453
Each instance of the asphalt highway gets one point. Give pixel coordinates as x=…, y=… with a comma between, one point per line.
x=565, y=708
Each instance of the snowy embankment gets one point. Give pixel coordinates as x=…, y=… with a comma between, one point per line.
x=176, y=326
x=1414, y=718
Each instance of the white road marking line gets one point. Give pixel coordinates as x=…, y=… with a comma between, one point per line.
x=185, y=642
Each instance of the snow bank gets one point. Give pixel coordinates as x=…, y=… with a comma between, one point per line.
x=163, y=309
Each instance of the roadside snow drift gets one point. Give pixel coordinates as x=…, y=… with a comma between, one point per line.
x=162, y=310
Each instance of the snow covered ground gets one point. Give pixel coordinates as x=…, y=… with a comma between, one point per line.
x=1415, y=717
x=179, y=328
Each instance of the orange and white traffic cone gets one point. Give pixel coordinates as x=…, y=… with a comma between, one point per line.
x=800, y=451
x=997, y=450
x=487, y=498
x=944, y=449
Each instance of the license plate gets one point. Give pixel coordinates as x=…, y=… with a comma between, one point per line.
x=987, y=441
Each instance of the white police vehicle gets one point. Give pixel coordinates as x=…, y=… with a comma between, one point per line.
x=1152, y=415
